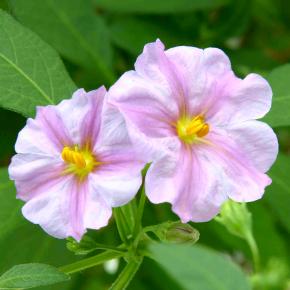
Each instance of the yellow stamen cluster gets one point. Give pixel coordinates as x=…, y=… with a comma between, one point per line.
x=190, y=130
x=79, y=162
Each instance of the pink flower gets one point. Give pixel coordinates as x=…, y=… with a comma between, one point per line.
x=196, y=121
x=74, y=162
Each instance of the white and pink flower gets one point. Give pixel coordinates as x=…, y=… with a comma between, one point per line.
x=74, y=162
x=195, y=121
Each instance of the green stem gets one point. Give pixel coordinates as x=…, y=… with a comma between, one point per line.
x=90, y=262
x=122, y=226
x=127, y=274
x=254, y=250
x=138, y=223
x=119, y=249
x=129, y=212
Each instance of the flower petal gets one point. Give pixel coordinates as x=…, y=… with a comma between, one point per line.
x=90, y=125
x=34, y=173
x=73, y=112
x=245, y=182
x=243, y=100
x=145, y=104
x=67, y=208
x=191, y=183
x=51, y=210
x=45, y=135
x=116, y=189
x=258, y=142
x=97, y=213
x=200, y=70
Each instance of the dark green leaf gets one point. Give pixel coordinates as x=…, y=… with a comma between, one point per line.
x=132, y=34
x=72, y=28
x=279, y=80
x=31, y=73
x=153, y=6
x=199, y=268
x=278, y=193
x=10, y=214
x=31, y=275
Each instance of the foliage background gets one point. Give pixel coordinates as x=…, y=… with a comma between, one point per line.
x=98, y=40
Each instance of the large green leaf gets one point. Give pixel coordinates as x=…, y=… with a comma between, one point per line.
x=131, y=34
x=72, y=28
x=278, y=193
x=31, y=275
x=10, y=214
x=279, y=80
x=31, y=73
x=153, y=6
x=197, y=268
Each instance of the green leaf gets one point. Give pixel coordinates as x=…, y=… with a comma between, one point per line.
x=72, y=28
x=278, y=193
x=153, y=6
x=10, y=214
x=132, y=34
x=279, y=80
x=199, y=268
x=31, y=275
x=31, y=73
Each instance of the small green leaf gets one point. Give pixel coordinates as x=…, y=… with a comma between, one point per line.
x=153, y=6
x=72, y=27
x=279, y=80
x=10, y=214
x=278, y=193
x=31, y=275
x=31, y=73
x=197, y=267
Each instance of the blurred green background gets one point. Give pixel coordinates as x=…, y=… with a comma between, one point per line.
x=98, y=41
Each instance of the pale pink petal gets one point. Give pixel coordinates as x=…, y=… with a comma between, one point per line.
x=67, y=209
x=113, y=129
x=245, y=182
x=200, y=70
x=73, y=112
x=45, y=135
x=51, y=210
x=154, y=65
x=90, y=125
x=34, y=173
x=244, y=100
x=146, y=104
x=257, y=141
x=160, y=183
x=97, y=213
x=116, y=188
x=189, y=182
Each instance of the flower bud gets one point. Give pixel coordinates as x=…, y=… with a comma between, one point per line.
x=177, y=232
x=236, y=218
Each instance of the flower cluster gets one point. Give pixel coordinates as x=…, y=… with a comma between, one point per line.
x=183, y=110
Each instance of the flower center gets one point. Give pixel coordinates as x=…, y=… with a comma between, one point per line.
x=80, y=162
x=189, y=130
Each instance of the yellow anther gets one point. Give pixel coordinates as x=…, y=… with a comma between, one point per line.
x=79, y=162
x=189, y=129
x=73, y=156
